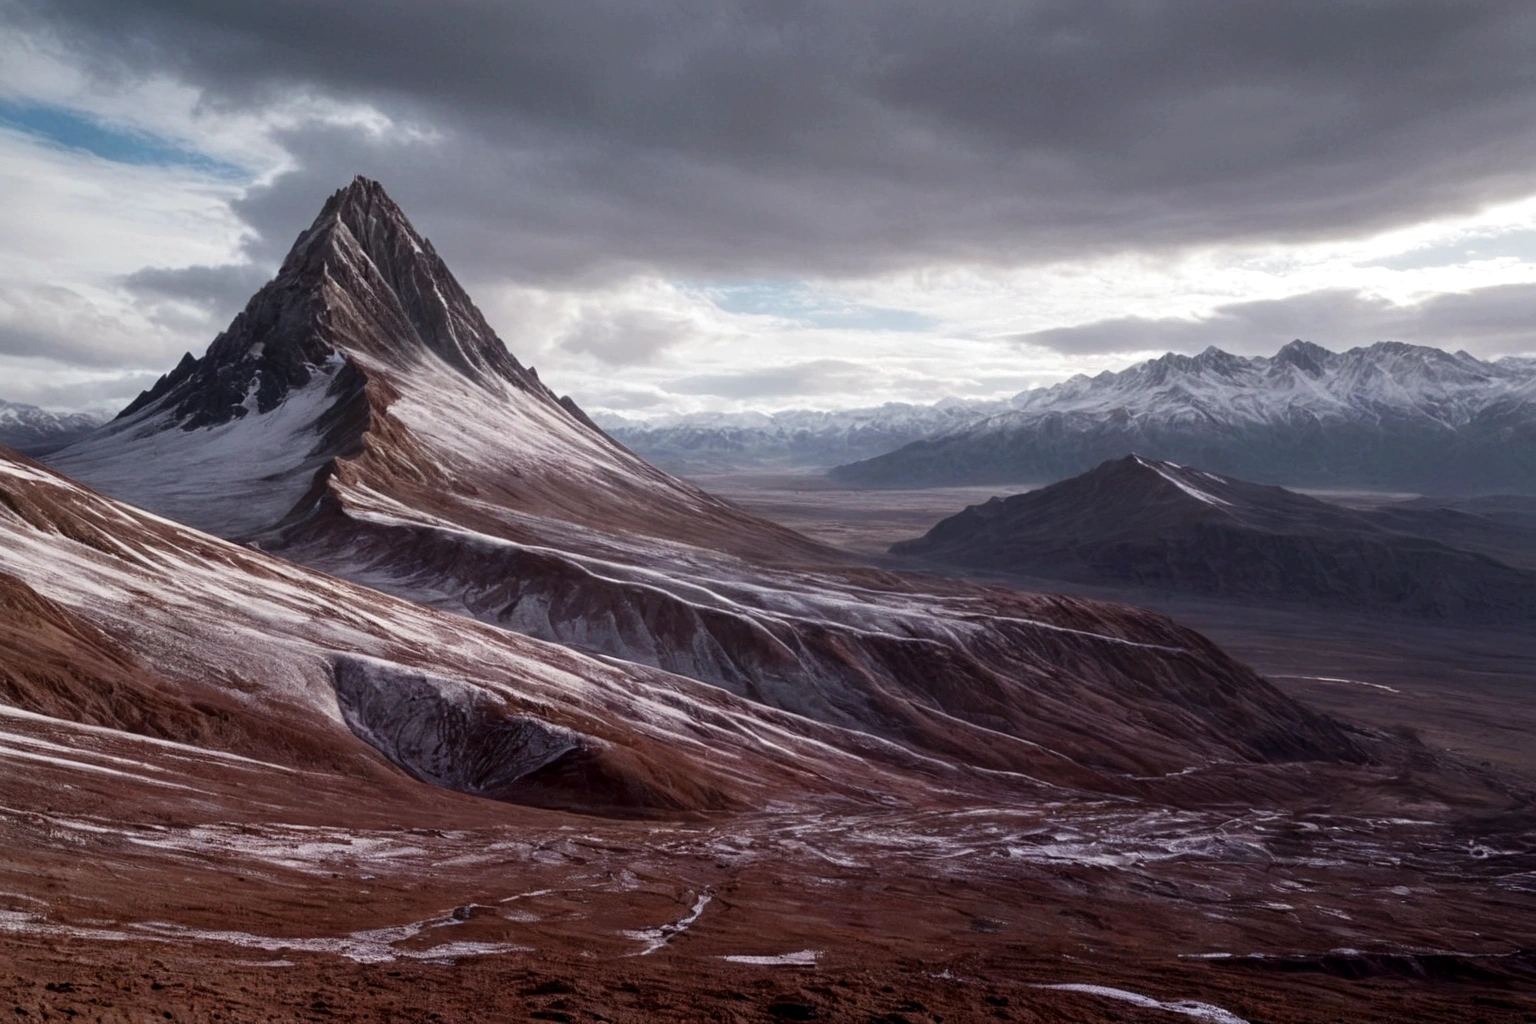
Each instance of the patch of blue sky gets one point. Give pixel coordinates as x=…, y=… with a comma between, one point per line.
x=793, y=300
x=75, y=129
x=1518, y=244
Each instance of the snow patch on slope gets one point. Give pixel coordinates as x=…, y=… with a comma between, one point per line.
x=1186, y=1007
x=232, y=479
x=1161, y=469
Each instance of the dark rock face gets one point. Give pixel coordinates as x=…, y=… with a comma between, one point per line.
x=447, y=733
x=466, y=737
x=1157, y=524
x=1391, y=416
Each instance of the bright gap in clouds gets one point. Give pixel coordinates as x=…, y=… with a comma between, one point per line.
x=77, y=225
x=77, y=129
x=798, y=302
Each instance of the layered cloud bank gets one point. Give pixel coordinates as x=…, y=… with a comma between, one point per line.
x=734, y=206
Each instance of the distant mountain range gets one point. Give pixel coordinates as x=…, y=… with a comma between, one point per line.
x=792, y=439
x=35, y=431
x=1156, y=524
x=1390, y=416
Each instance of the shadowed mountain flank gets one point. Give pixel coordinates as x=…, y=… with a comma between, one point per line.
x=120, y=620
x=1141, y=521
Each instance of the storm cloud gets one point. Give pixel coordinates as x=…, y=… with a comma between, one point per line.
x=721, y=204
x=558, y=139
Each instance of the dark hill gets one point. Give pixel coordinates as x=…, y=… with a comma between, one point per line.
x=1148, y=523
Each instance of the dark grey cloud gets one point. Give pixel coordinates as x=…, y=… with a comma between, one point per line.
x=222, y=291
x=728, y=138
x=1486, y=322
x=817, y=377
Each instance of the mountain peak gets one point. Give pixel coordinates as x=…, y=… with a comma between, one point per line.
x=364, y=214
x=364, y=191
x=1305, y=356
x=359, y=284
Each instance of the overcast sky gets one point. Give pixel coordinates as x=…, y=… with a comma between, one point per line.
x=674, y=206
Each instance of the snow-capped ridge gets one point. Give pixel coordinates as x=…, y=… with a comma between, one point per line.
x=35, y=431
x=1392, y=415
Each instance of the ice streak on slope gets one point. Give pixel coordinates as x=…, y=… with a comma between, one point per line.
x=658, y=937
x=801, y=958
x=374, y=946
x=1186, y=1007
x=1162, y=470
x=71, y=764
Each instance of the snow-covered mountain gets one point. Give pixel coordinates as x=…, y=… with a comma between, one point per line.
x=35, y=431
x=1391, y=415
x=791, y=439
x=362, y=418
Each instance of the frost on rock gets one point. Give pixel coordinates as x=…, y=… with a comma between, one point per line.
x=444, y=731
